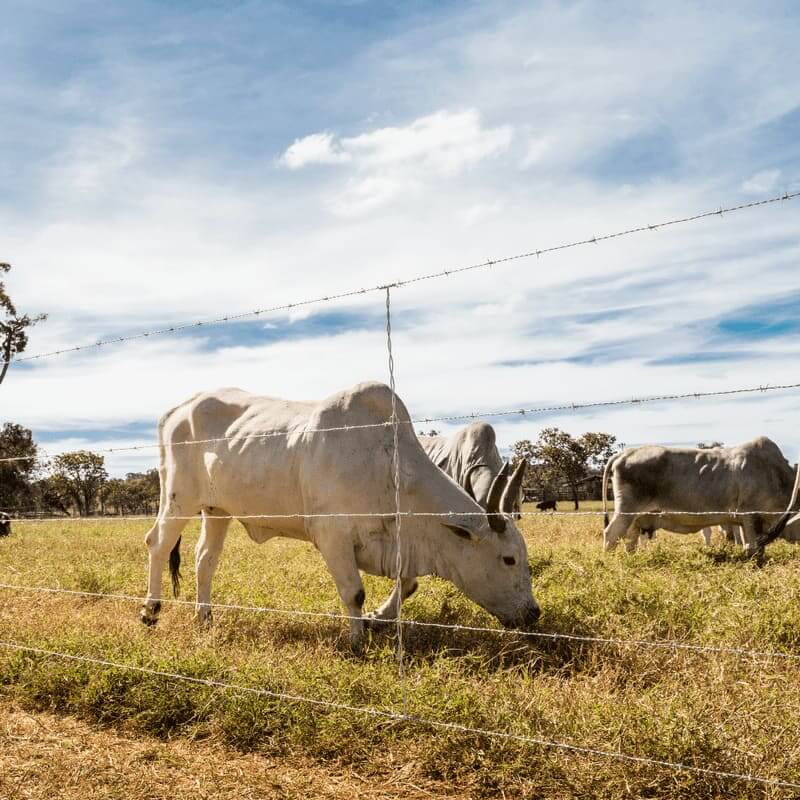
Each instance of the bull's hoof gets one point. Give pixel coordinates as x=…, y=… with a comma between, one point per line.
x=147, y=619
x=204, y=619
x=358, y=644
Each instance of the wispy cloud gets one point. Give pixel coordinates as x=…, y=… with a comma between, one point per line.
x=391, y=160
x=318, y=148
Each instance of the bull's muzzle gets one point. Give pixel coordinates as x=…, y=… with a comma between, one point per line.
x=526, y=620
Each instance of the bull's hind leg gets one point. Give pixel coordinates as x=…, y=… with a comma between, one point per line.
x=160, y=541
x=207, y=553
x=618, y=528
x=390, y=608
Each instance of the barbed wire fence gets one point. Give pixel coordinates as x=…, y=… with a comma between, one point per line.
x=397, y=514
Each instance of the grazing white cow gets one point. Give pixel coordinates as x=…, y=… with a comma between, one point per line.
x=719, y=486
x=471, y=458
x=311, y=477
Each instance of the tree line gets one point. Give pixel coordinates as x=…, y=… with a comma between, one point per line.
x=69, y=484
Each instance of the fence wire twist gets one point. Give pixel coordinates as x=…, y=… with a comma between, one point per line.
x=409, y=718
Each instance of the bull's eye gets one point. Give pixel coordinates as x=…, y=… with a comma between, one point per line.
x=510, y=560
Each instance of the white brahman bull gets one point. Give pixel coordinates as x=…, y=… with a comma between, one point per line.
x=232, y=454
x=743, y=485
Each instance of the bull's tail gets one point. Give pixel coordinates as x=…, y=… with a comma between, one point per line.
x=777, y=529
x=175, y=567
x=606, y=471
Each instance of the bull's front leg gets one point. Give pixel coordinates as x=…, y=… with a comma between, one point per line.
x=207, y=553
x=751, y=527
x=341, y=562
x=391, y=607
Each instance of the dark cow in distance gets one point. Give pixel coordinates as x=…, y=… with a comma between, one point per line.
x=5, y=524
x=547, y=505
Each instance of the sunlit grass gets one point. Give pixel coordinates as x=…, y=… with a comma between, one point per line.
x=717, y=711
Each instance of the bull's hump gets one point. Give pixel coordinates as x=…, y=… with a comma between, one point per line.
x=364, y=403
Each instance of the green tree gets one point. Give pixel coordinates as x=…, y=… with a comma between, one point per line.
x=116, y=494
x=536, y=479
x=599, y=447
x=78, y=479
x=136, y=493
x=557, y=458
x=561, y=456
x=16, y=477
x=49, y=495
x=13, y=327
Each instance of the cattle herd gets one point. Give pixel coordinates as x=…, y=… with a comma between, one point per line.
x=323, y=472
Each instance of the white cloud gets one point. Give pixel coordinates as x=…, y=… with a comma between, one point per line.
x=445, y=143
x=318, y=148
x=537, y=149
x=762, y=182
x=96, y=158
x=392, y=160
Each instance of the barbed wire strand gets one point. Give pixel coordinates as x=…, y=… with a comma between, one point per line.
x=491, y=262
x=398, y=519
x=391, y=514
x=409, y=718
x=662, y=644
x=447, y=418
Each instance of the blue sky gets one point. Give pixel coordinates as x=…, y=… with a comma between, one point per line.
x=169, y=161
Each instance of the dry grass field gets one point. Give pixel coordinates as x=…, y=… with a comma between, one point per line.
x=63, y=720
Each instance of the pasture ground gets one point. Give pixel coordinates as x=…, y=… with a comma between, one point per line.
x=712, y=710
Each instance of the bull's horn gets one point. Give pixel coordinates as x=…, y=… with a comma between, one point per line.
x=512, y=488
x=777, y=528
x=493, y=508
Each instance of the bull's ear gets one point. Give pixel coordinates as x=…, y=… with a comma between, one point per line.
x=493, y=507
x=468, y=533
x=511, y=492
x=462, y=533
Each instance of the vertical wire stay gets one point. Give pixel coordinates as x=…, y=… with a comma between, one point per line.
x=398, y=516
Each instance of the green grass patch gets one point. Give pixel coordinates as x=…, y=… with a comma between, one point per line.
x=716, y=711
